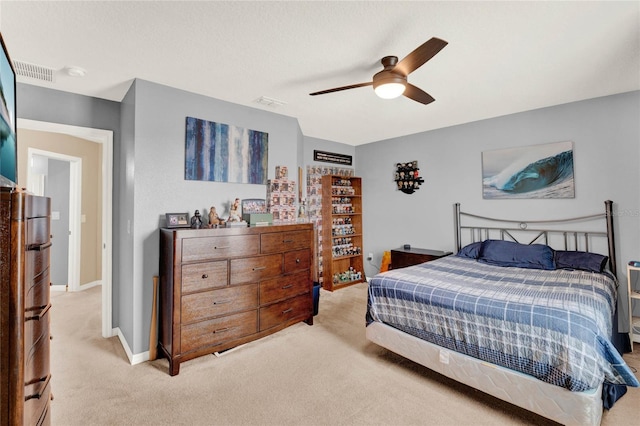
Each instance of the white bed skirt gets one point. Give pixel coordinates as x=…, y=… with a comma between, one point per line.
x=553, y=402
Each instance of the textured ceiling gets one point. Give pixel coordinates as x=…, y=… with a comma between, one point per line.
x=502, y=57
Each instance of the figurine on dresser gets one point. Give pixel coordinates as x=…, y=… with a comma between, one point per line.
x=234, y=212
x=214, y=219
x=196, y=220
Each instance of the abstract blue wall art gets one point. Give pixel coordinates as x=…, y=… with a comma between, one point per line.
x=539, y=171
x=223, y=153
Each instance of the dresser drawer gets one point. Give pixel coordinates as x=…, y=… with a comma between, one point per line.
x=37, y=397
x=219, y=330
x=45, y=418
x=284, y=287
x=36, y=206
x=281, y=312
x=36, y=348
x=202, y=276
x=281, y=241
x=215, y=303
x=38, y=231
x=195, y=249
x=37, y=292
x=298, y=260
x=36, y=325
x=255, y=269
x=36, y=261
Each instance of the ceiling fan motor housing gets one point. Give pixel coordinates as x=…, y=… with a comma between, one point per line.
x=387, y=75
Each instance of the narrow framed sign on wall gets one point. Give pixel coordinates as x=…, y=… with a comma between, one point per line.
x=332, y=157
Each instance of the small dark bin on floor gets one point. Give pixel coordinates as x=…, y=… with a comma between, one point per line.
x=316, y=297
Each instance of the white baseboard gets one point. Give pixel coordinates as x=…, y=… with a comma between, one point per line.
x=133, y=358
x=87, y=286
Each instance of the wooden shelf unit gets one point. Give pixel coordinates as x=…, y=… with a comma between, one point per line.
x=342, y=260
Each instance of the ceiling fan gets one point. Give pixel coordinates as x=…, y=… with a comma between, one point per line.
x=392, y=82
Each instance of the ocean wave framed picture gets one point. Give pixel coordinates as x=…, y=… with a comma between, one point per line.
x=536, y=171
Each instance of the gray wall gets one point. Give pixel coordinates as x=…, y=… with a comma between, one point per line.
x=312, y=144
x=57, y=187
x=124, y=157
x=158, y=184
x=606, y=136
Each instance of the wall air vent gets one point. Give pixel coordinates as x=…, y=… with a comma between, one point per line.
x=37, y=72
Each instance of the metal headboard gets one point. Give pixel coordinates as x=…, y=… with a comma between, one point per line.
x=573, y=239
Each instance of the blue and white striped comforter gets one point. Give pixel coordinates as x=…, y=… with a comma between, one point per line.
x=553, y=325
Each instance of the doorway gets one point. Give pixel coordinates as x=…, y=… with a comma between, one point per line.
x=104, y=137
x=58, y=176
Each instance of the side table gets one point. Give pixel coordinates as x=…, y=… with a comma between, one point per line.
x=401, y=257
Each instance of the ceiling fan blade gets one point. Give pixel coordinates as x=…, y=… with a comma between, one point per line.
x=418, y=95
x=337, y=89
x=419, y=56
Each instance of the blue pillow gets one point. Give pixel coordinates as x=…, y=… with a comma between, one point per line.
x=582, y=260
x=471, y=251
x=509, y=253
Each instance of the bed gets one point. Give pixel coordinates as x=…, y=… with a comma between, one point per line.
x=513, y=317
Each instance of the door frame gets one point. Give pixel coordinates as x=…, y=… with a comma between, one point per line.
x=105, y=137
x=75, y=210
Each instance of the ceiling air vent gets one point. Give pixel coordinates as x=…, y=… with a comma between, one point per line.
x=270, y=102
x=37, y=72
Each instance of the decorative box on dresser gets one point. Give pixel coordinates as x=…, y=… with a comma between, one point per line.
x=25, y=375
x=220, y=288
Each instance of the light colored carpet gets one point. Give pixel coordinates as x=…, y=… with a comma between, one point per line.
x=325, y=374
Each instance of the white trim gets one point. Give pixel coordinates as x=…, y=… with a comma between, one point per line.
x=124, y=343
x=133, y=359
x=105, y=137
x=75, y=201
x=87, y=286
x=58, y=287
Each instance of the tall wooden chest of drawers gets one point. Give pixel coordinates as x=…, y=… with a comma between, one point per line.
x=25, y=376
x=220, y=288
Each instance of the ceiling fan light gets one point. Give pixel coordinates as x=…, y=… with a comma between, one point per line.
x=390, y=90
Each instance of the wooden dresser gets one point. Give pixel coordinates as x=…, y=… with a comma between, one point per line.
x=25, y=376
x=220, y=288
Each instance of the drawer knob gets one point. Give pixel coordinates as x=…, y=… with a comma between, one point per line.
x=297, y=260
x=286, y=311
x=287, y=286
x=287, y=241
x=221, y=247
x=205, y=276
x=259, y=268
x=221, y=330
x=222, y=302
